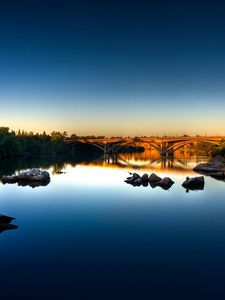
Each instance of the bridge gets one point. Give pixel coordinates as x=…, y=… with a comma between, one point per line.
x=166, y=146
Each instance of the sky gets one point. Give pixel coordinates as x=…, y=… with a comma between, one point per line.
x=113, y=68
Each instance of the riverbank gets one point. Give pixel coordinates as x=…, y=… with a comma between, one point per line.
x=215, y=168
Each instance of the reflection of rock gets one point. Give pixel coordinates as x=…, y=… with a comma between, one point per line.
x=6, y=219
x=153, y=184
x=32, y=184
x=218, y=175
x=9, y=179
x=195, y=183
x=33, y=177
x=5, y=226
x=5, y=223
x=154, y=180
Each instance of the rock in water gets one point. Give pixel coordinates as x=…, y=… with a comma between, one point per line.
x=136, y=176
x=33, y=175
x=9, y=179
x=135, y=179
x=129, y=180
x=165, y=183
x=144, y=178
x=194, y=183
x=7, y=226
x=215, y=165
x=154, y=178
x=46, y=175
x=137, y=182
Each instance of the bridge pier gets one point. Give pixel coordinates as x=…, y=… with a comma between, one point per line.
x=110, y=158
x=167, y=153
x=167, y=150
x=108, y=149
x=170, y=150
x=105, y=149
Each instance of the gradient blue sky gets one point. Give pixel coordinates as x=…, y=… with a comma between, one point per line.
x=113, y=67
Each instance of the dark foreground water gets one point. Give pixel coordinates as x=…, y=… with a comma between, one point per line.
x=88, y=235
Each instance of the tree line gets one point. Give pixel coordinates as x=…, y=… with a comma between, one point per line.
x=25, y=143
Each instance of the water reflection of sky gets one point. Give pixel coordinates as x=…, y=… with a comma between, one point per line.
x=87, y=226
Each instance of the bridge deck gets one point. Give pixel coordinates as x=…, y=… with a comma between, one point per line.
x=164, y=145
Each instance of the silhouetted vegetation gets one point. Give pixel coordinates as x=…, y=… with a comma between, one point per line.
x=201, y=148
x=219, y=150
x=24, y=143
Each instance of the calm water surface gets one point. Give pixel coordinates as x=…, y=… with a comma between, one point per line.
x=88, y=235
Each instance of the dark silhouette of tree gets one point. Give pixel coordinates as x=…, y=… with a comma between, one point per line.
x=24, y=143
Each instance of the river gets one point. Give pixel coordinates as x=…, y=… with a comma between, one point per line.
x=89, y=235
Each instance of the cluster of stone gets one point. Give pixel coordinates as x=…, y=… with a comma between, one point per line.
x=33, y=175
x=154, y=180
x=195, y=183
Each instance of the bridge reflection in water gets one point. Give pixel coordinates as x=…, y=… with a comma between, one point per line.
x=149, y=160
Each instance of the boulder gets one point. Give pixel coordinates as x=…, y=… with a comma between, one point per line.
x=165, y=183
x=136, y=176
x=215, y=165
x=24, y=176
x=40, y=178
x=33, y=175
x=135, y=179
x=137, y=182
x=46, y=175
x=194, y=183
x=129, y=180
x=206, y=168
x=154, y=178
x=9, y=179
x=144, y=178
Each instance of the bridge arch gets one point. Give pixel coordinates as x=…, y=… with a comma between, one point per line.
x=153, y=145
x=179, y=145
x=99, y=146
